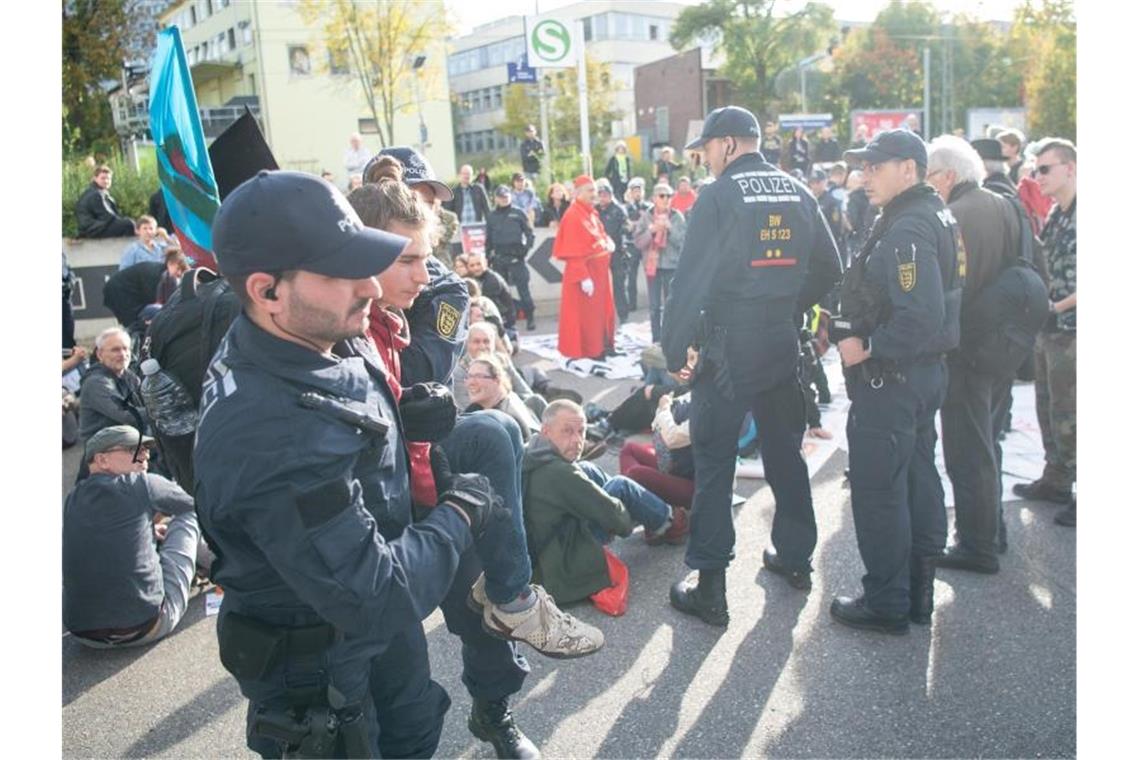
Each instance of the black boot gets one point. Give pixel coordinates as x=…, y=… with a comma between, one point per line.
x=704, y=599
x=921, y=589
x=491, y=721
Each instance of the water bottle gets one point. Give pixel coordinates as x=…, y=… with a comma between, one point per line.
x=169, y=405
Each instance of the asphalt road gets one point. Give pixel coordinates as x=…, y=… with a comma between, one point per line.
x=994, y=676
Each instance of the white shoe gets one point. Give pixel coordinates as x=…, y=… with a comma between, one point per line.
x=543, y=626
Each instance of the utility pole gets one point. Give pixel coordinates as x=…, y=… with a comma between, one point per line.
x=926, y=92
x=583, y=101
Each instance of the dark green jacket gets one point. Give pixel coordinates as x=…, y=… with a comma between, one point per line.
x=559, y=503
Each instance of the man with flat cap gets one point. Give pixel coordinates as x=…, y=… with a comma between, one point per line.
x=120, y=589
x=757, y=253
x=899, y=309
x=997, y=173
x=300, y=469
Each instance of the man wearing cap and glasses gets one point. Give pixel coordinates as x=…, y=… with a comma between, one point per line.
x=636, y=206
x=300, y=471
x=119, y=588
x=757, y=253
x=899, y=309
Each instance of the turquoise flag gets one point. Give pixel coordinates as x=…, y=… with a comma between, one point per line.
x=184, y=169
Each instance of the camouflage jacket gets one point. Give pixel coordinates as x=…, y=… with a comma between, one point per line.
x=1059, y=237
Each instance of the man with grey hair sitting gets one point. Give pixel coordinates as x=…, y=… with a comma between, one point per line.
x=109, y=393
x=126, y=574
x=991, y=235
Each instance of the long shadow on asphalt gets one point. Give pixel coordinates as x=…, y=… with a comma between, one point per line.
x=85, y=668
x=188, y=719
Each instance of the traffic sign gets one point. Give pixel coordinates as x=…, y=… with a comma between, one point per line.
x=550, y=43
x=520, y=72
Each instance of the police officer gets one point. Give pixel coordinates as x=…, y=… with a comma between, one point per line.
x=299, y=466
x=899, y=304
x=615, y=220
x=437, y=319
x=757, y=254
x=509, y=238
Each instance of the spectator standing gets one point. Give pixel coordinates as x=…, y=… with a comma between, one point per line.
x=1012, y=141
x=615, y=221
x=997, y=178
x=772, y=146
x=634, y=208
x=1056, y=349
x=524, y=199
x=356, y=157
x=469, y=201
x=119, y=588
x=531, y=151
x=660, y=236
x=586, y=317
x=484, y=179
x=150, y=245
x=68, y=312
x=684, y=197
x=573, y=507
x=509, y=239
x=666, y=166
x=827, y=148
x=860, y=214
x=109, y=394
x=96, y=213
x=799, y=151
x=619, y=170
x=556, y=205
x=862, y=135
x=972, y=411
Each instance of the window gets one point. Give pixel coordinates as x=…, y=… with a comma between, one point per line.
x=193, y=16
x=653, y=31
x=209, y=7
x=588, y=28
x=299, y=63
x=230, y=42
x=246, y=32
x=338, y=62
x=497, y=97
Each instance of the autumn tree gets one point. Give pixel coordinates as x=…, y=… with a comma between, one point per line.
x=1044, y=39
x=756, y=43
x=377, y=42
x=93, y=34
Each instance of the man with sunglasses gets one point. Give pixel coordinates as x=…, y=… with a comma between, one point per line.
x=757, y=254
x=899, y=307
x=1056, y=350
x=126, y=578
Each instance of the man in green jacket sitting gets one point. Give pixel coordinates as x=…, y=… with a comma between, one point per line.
x=571, y=508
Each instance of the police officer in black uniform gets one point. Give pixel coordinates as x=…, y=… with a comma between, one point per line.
x=899, y=310
x=616, y=222
x=509, y=239
x=300, y=470
x=757, y=254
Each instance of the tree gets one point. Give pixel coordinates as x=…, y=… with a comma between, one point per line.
x=93, y=32
x=521, y=105
x=377, y=43
x=757, y=45
x=1044, y=40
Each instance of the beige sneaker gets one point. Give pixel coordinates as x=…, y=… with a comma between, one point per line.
x=477, y=596
x=548, y=629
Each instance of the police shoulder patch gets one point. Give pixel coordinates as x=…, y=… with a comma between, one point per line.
x=447, y=320
x=908, y=276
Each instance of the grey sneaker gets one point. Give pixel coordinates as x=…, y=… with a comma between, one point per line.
x=548, y=629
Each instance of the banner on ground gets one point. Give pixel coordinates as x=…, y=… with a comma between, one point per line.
x=184, y=169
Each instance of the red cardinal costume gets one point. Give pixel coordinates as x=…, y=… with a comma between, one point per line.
x=585, y=322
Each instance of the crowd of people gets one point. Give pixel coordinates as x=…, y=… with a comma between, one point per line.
x=367, y=449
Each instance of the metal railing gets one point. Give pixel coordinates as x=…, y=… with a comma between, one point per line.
x=133, y=117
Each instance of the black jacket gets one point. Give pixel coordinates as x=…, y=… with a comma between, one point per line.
x=614, y=219
x=478, y=199
x=95, y=212
x=530, y=151
x=508, y=233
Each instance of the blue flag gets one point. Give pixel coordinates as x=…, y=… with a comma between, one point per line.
x=184, y=169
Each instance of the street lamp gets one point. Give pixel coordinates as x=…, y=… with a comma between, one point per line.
x=417, y=64
x=803, y=67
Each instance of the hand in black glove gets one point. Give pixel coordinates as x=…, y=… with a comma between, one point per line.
x=440, y=468
x=428, y=412
x=474, y=496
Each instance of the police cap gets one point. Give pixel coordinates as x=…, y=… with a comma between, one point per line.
x=988, y=148
x=281, y=220
x=502, y=191
x=729, y=121
x=891, y=145
x=417, y=170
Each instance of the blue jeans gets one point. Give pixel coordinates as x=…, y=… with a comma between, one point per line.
x=645, y=507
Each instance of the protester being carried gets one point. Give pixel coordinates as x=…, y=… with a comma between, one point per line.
x=120, y=589
x=572, y=508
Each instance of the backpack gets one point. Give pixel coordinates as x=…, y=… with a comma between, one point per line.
x=1007, y=314
x=183, y=337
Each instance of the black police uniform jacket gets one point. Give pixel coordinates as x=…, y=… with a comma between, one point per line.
x=904, y=289
x=757, y=253
x=509, y=233
x=437, y=321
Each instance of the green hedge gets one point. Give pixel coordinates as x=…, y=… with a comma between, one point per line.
x=130, y=189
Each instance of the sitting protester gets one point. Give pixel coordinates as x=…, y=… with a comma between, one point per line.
x=109, y=394
x=176, y=265
x=150, y=243
x=126, y=576
x=572, y=508
x=488, y=387
x=665, y=466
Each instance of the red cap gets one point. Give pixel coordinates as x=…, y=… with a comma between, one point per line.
x=582, y=179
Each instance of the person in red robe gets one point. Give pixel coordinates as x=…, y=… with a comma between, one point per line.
x=586, y=317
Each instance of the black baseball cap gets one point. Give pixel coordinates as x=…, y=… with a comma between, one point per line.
x=890, y=145
x=988, y=148
x=417, y=170
x=502, y=191
x=282, y=220
x=729, y=121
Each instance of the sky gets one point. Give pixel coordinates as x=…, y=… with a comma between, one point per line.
x=470, y=14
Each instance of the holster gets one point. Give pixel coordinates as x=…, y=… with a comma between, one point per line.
x=713, y=360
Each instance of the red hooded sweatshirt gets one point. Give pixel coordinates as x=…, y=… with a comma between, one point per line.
x=389, y=331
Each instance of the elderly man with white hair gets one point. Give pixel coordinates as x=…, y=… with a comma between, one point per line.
x=357, y=156
x=109, y=393
x=991, y=235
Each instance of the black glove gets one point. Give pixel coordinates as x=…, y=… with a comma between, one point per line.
x=428, y=412
x=474, y=495
x=440, y=468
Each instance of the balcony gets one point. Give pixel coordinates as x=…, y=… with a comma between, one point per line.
x=132, y=117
